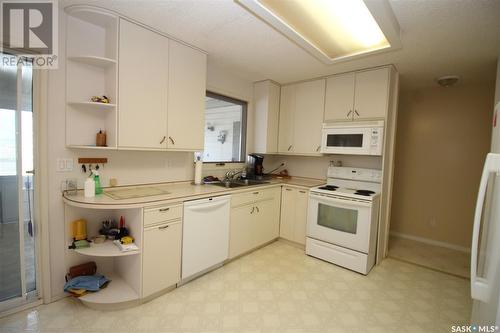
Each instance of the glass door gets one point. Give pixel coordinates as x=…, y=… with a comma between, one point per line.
x=18, y=264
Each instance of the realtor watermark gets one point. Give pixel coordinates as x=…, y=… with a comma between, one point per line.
x=474, y=329
x=29, y=31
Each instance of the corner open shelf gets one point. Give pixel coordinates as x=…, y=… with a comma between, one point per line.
x=118, y=294
x=106, y=249
x=91, y=70
x=94, y=105
x=93, y=60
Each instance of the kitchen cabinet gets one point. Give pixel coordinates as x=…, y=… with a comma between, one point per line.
x=143, y=82
x=254, y=222
x=161, y=257
x=266, y=96
x=294, y=214
x=301, y=117
x=357, y=96
x=186, y=97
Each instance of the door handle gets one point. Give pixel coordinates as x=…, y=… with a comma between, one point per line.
x=163, y=227
x=356, y=112
x=171, y=140
x=163, y=140
x=349, y=113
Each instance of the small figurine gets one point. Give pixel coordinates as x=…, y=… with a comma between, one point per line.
x=97, y=99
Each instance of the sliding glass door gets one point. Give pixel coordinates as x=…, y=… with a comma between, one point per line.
x=18, y=259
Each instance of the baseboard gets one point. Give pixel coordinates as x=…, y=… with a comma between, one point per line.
x=430, y=241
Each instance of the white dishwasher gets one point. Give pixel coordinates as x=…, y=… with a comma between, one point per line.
x=205, y=237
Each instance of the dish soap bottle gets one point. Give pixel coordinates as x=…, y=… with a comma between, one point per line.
x=97, y=181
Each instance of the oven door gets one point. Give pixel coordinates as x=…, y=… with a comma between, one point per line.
x=352, y=141
x=339, y=221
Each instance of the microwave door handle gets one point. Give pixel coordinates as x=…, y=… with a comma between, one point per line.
x=481, y=287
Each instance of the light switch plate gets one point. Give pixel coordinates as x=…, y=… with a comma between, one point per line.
x=64, y=165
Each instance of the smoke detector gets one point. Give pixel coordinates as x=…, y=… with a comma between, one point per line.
x=448, y=80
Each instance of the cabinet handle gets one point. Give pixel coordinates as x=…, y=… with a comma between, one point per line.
x=317, y=149
x=258, y=210
x=349, y=113
x=253, y=208
x=163, y=140
x=164, y=210
x=290, y=147
x=302, y=191
x=255, y=192
x=356, y=112
x=163, y=227
x=288, y=189
x=171, y=140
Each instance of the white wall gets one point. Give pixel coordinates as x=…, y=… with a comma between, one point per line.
x=127, y=167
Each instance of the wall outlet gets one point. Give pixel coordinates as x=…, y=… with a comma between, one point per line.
x=64, y=164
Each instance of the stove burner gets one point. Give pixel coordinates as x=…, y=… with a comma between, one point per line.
x=366, y=193
x=328, y=187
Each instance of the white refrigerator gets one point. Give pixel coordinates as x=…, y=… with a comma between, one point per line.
x=485, y=248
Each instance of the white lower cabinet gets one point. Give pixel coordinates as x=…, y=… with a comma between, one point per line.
x=254, y=220
x=161, y=257
x=293, y=214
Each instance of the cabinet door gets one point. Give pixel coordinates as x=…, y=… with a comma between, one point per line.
x=339, y=98
x=143, y=80
x=186, y=97
x=287, y=213
x=266, y=221
x=308, y=116
x=241, y=233
x=300, y=220
x=161, y=257
x=371, y=94
x=285, y=126
x=266, y=95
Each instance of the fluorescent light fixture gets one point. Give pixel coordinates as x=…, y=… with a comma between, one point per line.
x=331, y=30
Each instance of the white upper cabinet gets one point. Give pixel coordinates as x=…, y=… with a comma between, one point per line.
x=266, y=95
x=371, y=97
x=339, y=97
x=360, y=95
x=301, y=117
x=308, y=117
x=287, y=111
x=143, y=83
x=186, y=97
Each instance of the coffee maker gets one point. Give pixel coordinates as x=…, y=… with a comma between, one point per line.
x=255, y=167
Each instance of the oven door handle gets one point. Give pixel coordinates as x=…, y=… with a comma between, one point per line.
x=329, y=200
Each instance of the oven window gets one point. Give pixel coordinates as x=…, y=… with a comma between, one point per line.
x=340, y=219
x=344, y=140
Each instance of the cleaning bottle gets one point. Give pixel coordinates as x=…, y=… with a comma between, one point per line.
x=97, y=181
x=89, y=187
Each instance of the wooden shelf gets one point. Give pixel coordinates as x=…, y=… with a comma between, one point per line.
x=106, y=249
x=94, y=60
x=95, y=105
x=118, y=293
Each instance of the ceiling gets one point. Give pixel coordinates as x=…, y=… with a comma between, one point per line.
x=439, y=37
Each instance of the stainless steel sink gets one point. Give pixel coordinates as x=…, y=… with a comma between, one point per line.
x=240, y=183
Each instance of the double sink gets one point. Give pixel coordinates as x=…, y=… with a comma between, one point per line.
x=239, y=183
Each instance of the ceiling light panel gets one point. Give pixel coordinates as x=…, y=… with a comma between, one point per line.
x=331, y=30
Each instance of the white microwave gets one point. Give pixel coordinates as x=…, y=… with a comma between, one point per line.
x=353, y=138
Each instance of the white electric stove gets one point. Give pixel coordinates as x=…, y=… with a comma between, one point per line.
x=342, y=218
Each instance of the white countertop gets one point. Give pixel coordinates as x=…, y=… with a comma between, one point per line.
x=177, y=191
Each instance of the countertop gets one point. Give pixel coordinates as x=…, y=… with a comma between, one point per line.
x=177, y=192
